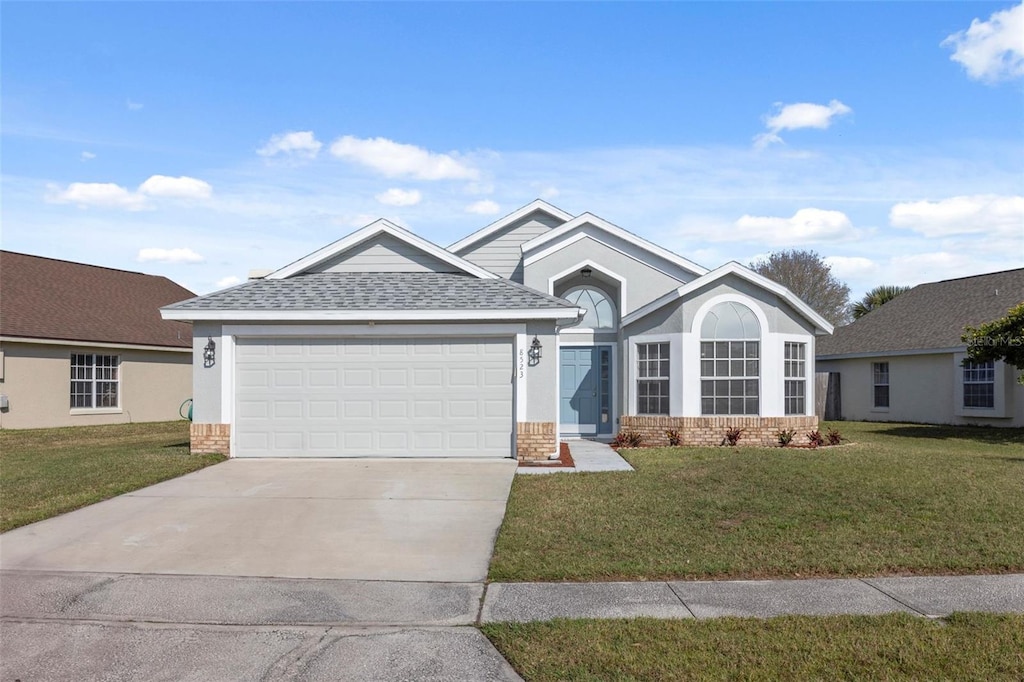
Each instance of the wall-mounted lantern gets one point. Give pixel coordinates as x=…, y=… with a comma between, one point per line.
x=209, y=353
x=586, y=273
x=535, y=351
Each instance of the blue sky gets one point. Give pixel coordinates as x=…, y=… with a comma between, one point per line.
x=199, y=140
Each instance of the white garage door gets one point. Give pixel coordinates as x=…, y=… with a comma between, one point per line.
x=395, y=397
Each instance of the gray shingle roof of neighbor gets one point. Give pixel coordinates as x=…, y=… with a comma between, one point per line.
x=929, y=316
x=376, y=291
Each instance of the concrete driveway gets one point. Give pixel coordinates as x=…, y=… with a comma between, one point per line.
x=387, y=519
x=263, y=569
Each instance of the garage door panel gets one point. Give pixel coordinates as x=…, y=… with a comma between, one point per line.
x=412, y=397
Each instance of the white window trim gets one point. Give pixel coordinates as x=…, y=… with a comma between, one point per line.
x=998, y=409
x=119, y=409
x=888, y=375
x=611, y=302
x=677, y=372
x=809, y=368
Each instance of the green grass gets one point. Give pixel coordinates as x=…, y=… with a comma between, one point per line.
x=895, y=647
x=904, y=499
x=45, y=472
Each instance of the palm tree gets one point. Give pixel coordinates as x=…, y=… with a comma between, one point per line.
x=876, y=298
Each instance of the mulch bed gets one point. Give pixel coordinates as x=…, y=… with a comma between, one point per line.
x=564, y=459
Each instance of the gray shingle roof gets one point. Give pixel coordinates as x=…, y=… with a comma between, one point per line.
x=376, y=291
x=929, y=316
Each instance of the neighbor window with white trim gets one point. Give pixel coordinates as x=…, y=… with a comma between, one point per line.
x=95, y=381
x=730, y=361
x=980, y=384
x=796, y=377
x=652, y=371
x=880, y=381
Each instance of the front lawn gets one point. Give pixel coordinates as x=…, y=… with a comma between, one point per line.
x=894, y=647
x=903, y=499
x=45, y=472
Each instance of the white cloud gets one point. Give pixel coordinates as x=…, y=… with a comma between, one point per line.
x=797, y=116
x=845, y=267
x=100, y=194
x=133, y=106
x=483, y=207
x=400, y=197
x=807, y=224
x=549, y=192
x=87, y=156
x=228, y=281
x=991, y=50
x=989, y=214
x=182, y=187
x=301, y=144
x=394, y=159
x=180, y=255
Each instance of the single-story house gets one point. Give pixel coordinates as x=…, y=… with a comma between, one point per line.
x=82, y=344
x=540, y=326
x=904, y=361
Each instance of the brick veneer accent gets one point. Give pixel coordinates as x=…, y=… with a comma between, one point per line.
x=206, y=438
x=759, y=431
x=535, y=440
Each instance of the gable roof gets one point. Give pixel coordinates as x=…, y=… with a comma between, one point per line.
x=929, y=316
x=501, y=223
x=603, y=225
x=379, y=227
x=46, y=298
x=375, y=295
x=733, y=268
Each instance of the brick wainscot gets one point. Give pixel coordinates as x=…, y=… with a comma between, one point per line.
x=757, y=431
x=206, y=438
x=535, y=441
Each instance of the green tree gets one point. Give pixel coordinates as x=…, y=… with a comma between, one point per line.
x=876, y=298
x=807, y=275
x=1001, y=339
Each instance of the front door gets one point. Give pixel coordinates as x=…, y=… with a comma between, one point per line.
x=585, y=390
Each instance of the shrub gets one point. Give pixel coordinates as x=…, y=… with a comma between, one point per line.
x=674, y=439
x=833, y=437
x=785, y=437
x=732, y=436
x=627, y=439
x=815, y=439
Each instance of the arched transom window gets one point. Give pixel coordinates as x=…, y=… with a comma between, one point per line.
x=600, y=311
x=730, y=360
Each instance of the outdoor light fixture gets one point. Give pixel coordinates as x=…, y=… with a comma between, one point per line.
x=586, y=272
x=209, y=352
x=535, y=350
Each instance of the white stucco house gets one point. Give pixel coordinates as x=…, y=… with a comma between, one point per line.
x=905, y=361
x=539, y=327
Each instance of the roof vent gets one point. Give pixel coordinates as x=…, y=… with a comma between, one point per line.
x=259, y=273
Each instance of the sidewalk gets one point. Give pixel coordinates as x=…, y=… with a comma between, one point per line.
x=929, y=596
x=588, y=455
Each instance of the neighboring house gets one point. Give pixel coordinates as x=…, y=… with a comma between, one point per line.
x=903, y=362
x=540, y=326
x=81, y=344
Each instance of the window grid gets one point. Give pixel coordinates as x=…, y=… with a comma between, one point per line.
x=730, y=377
x=980, y=384
x=796, y=378
x=652, y=385
x=95, y=381
x=880, y=381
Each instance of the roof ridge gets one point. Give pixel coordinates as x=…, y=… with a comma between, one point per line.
x=980, y=274
x=4, y=252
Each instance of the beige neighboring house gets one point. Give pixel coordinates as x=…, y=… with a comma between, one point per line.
x=904, y=361
x=82, y=344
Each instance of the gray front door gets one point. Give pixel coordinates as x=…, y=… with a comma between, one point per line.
x=585, y=390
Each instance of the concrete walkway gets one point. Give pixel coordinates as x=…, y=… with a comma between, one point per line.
x=588, y=455
x=930, y=596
